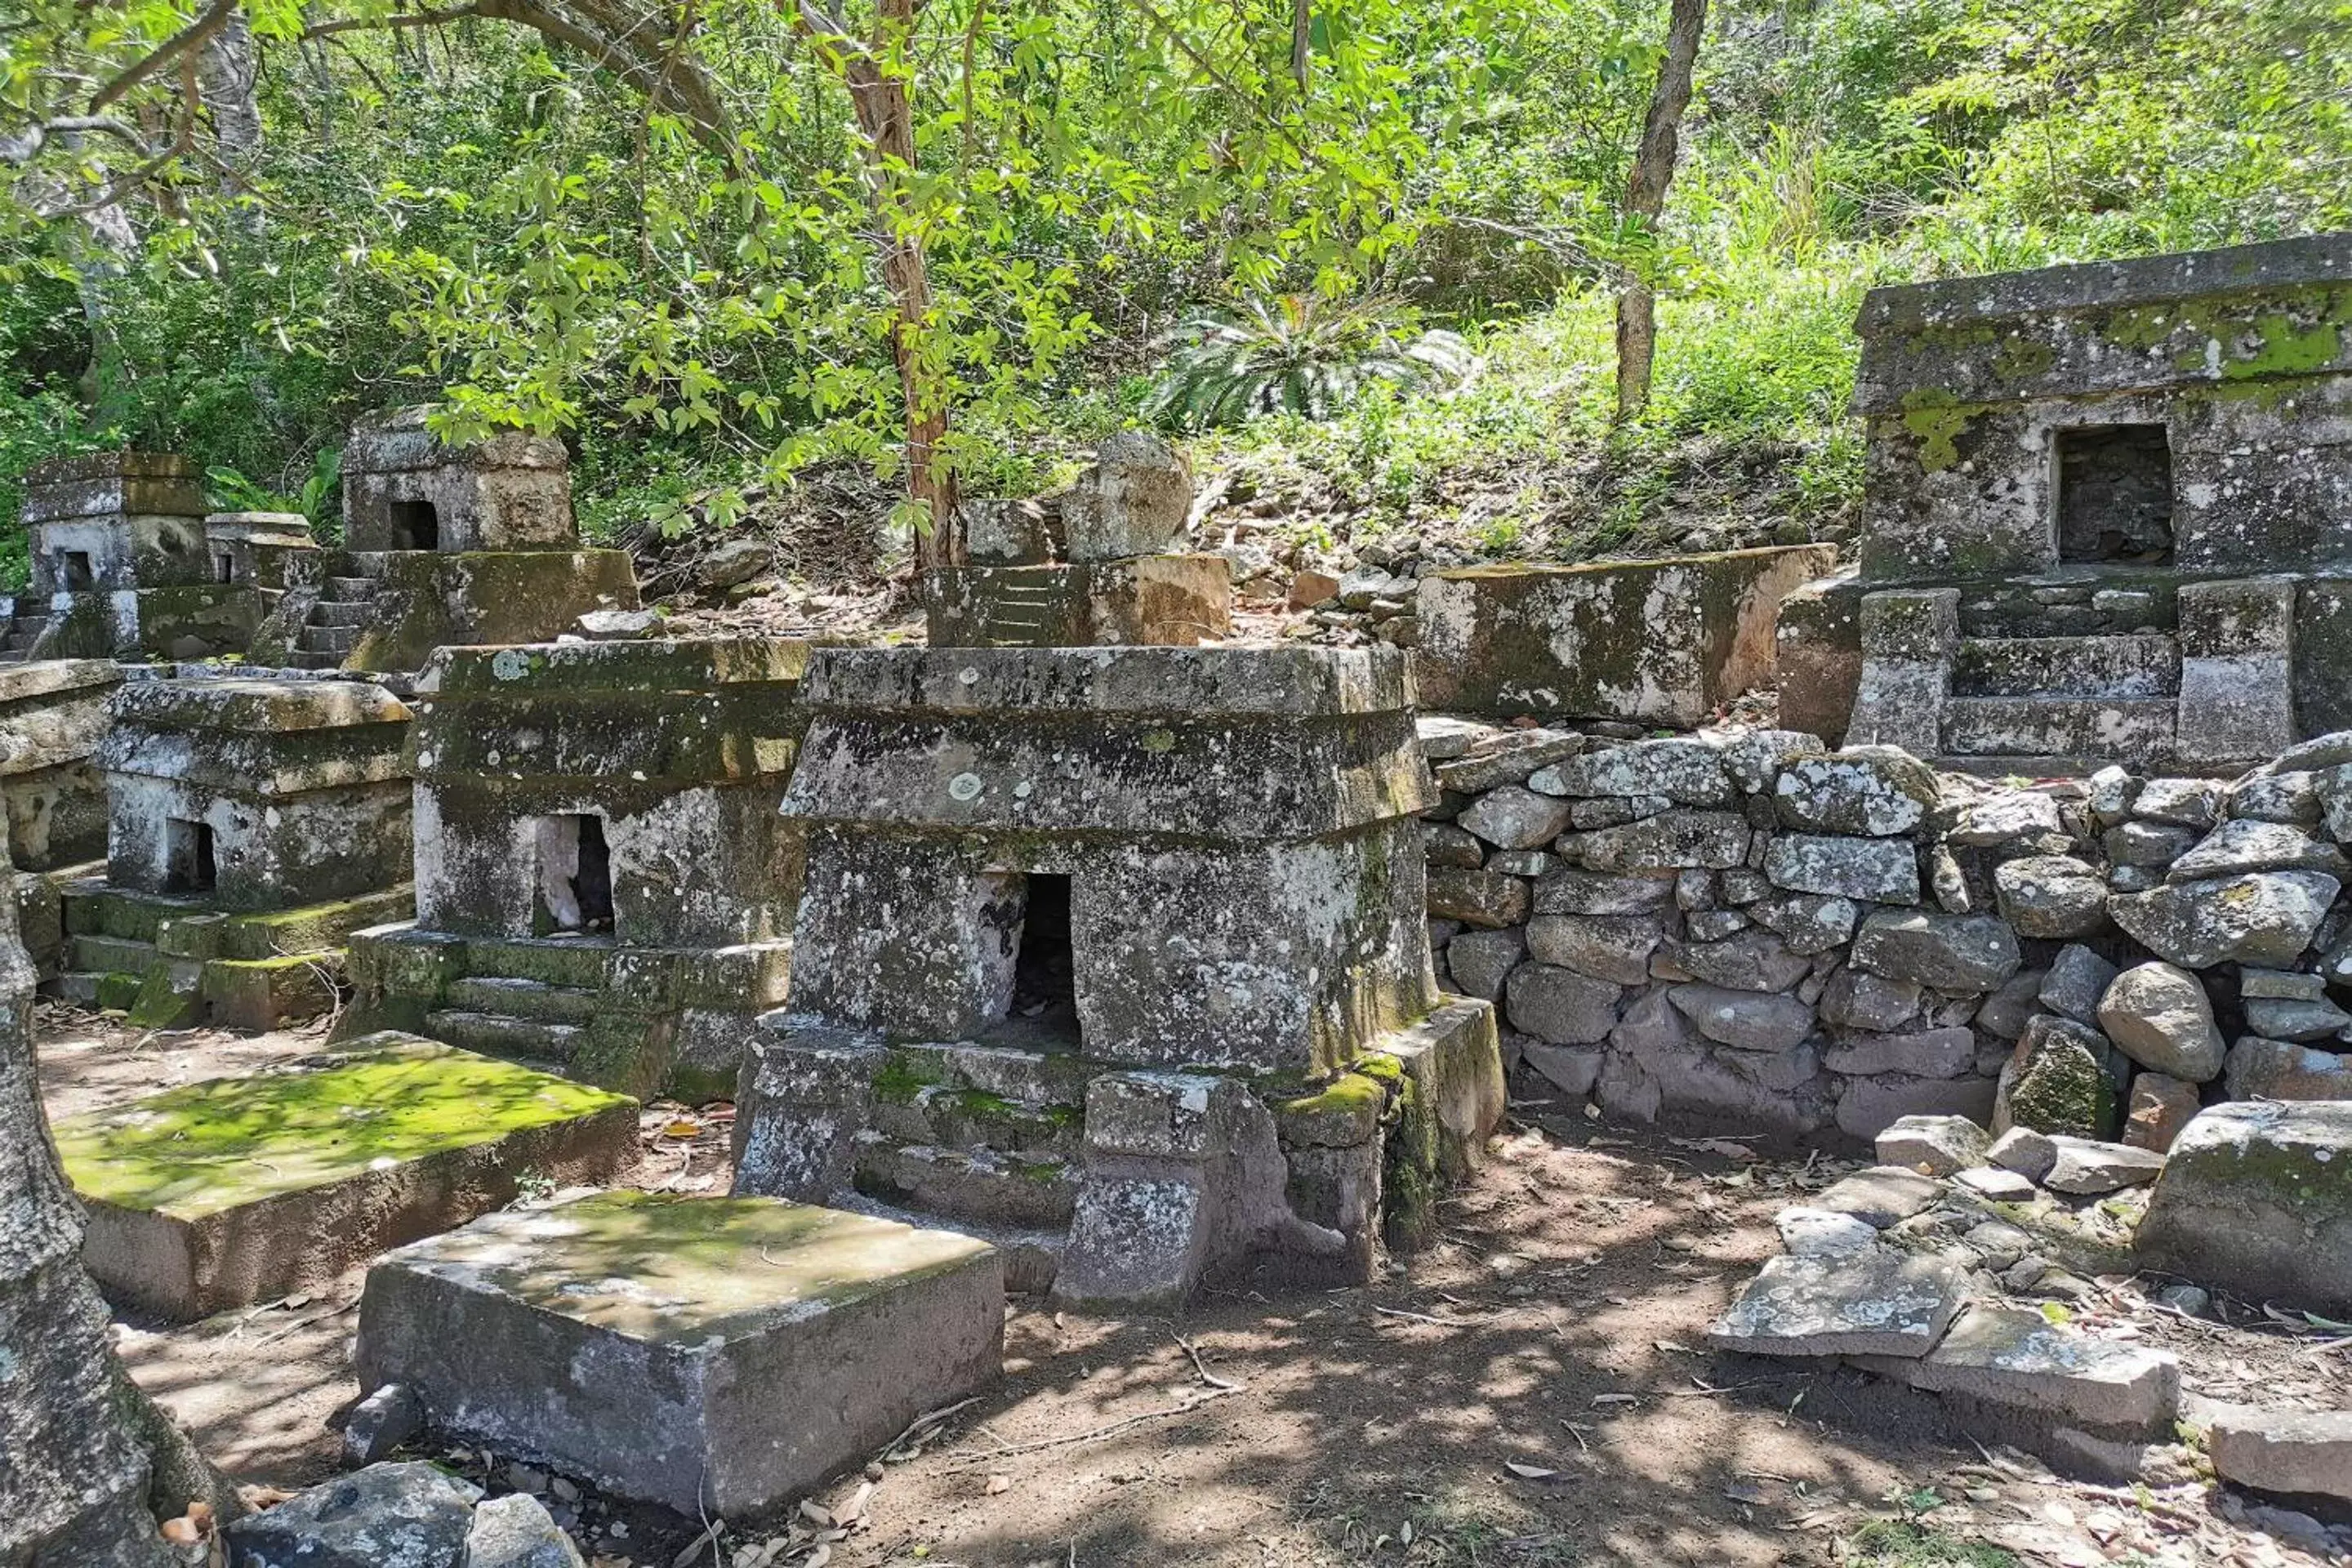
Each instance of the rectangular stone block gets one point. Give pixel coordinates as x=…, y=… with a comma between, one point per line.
x=1909, y=638
x=719, y=1356
x=222, y=1193
x=2237, y=658
x=1665, y=641
x=1880, y=1302
x=1168, y=600
x=2018, y=1359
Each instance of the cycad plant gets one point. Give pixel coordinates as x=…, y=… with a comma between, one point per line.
x=1300, y=354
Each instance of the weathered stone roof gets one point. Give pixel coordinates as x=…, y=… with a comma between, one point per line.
x=43, y=678
x=399, y=442
x=246, y=707
x=2133, y=281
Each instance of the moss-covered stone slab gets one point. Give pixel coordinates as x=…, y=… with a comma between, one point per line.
x=217, y=1194
x=1661, y=641
x=719, y=1355
x=2257, y=1195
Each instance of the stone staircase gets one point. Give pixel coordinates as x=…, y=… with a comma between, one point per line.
x=1018, y=613
x=985, y=1139
x=2113, y=695
x=21, y=632
x=336, y=621
x=527, y=1001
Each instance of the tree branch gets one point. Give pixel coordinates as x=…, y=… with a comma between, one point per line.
x=207, y=22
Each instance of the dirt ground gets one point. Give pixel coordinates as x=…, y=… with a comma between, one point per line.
x=1532, y=1389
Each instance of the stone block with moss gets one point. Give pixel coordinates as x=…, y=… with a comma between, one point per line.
x=221, y=1194
x=719, y=1356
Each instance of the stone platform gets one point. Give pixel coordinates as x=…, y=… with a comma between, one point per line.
x=717, y=1355
x=219, y=1195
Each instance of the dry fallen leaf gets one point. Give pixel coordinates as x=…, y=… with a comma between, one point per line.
x=1529, y=1472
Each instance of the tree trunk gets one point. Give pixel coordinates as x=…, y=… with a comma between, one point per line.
x=86, y=1460
x=1645, y=198
x=228, y=75
x=887, y=120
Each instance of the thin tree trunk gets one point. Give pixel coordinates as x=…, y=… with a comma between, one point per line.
x=228, y=73
x=1645, y=198
x=888, y=121
x=87, y=1463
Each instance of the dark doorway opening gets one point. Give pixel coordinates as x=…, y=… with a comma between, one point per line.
x=189, y=866
x=1045, y=970
x=575, y=864
x=2114, y=494
x=415, y=525
x=74, y=573
x=224, y=566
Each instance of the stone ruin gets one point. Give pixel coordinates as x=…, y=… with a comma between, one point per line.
x=1099, y=564
x=1117, y=956
x=2105, y=516
x=123, y=565
x=260, y=813
x=602, y=876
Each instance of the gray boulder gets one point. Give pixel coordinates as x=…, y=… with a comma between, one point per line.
x=2289, y=1018
x=2023, y=1151
x=2304, y=1453
x=2258, y=1068
x=1133, y=501
x=1512, y=818
x=1933, y=1145
x=1880, y=1302
x=1749, y=961
x=2258, y=1195
x=1480, y=960
x=1615, y=948
x=1930, y=1053
x=1878, y=870
x=1972, y=954
x=1875, y=794
x=2077, y=980
x=407, y=1515
x=2051, y=896
x=2157, y=1015
x=2265, y=918
x=1560, y=1005
x=2056, y=1082
x=2246, y=846
x=2087, y=1167
x=1857, y=999
x=2289, y=797
x=516, y=1531
x=1688, y=772
x=1671, y=841
x=1808, y=922
x=1564, y=891
x=2191, y=803
x=1755, y=760
x=1746, y=1020
x=2004, y=818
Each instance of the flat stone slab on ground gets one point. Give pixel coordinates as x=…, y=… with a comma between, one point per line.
x=1932, y=1145
x=221, y=1194
x=2307, y=1452
x=1993, y=1182
x=2013, y=1357
x=714, y=1354
x=1880, y=1302
x=1881, y=1196
x=2086, y=1166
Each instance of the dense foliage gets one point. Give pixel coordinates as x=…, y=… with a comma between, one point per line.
x=677, y=253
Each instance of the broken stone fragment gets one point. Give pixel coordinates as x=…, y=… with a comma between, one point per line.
x=2148, y=844
x=2000, y=1186
x=2304, y=1452
x=1882, y=1195
x=1755, y=760
x=1565, y=891
x=2191, y=803
x=516, y=1531
x=2078, y=978
x=2024, y=1151
x=404, y=1513
x=2290, y=797
x=2007, y=1356
x=2005, y=817
x=2051, y=896
x=2281, y=1018
x=1933, y=1145
x=1672, y=841
x=1857, y=999
x=380, y=1423
x=1881, y=1302
x=1807, y=1232
x=2086, y=1166
x=2265, y=918
x=1442, y=844
x=615, y=625
x=2159, y=1109
x=2157, y=1015
x=1945, y=952
x=1507, y=758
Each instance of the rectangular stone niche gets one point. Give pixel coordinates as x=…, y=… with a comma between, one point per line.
x=222, y=1193
x=720, y=1356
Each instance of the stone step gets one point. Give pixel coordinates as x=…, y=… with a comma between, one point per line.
x=576, y=964
x=496, y=1035
x=1032, y=1255
x=301, y=658
x=529, y=999
x=101, y=954
x=2132, y=730
x=329, y=639
x=2104, y=667
x=341, y=613
x=967, y=1185
x=354, y=590
x=953, y=1117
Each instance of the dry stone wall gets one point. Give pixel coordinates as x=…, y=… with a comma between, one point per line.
x=1752, y=929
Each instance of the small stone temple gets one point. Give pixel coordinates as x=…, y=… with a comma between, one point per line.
x=1121, y=955
x=123, y=566
x=1099, y=564
x=603, y=878
x=2109, y=516
x=260, y=813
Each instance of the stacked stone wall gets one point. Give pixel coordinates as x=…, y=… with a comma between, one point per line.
x=1755, y=932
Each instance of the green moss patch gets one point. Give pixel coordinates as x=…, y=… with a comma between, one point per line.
x=207, y=1147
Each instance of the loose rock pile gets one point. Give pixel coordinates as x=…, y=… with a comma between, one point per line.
x=1752, y=929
